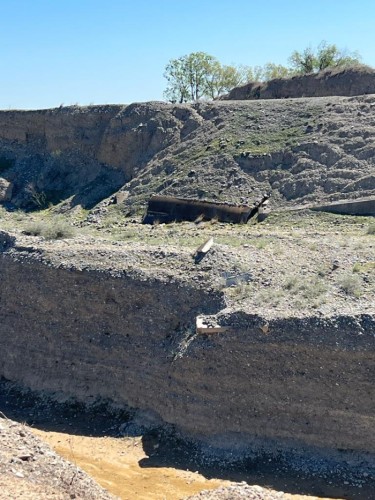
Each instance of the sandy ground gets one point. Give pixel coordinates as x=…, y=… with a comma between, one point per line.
x=114, y=464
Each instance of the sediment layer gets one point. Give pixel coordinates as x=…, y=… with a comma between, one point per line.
x=89, y=334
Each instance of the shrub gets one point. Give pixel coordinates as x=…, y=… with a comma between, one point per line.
x=37, y=198
x=351, y=284
x=356, y=267
x=371, y=229
x=34, y=228
x=51, y=230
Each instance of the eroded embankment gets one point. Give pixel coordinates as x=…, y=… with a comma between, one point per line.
x=295, y=384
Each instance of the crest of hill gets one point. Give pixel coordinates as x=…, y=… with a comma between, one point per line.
x=351, y=81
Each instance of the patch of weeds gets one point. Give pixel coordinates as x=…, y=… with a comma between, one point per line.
x=313, y=290
x=369, y=266
x=128, y=235
x=260, y=243
x=34, y=228
x=344, y=243
x=269, y=141
x=277, y=249
x=291, y=283
x=54, y=229
x=230, y=240
x=371, y=229
x=351, y=284
x=318, y=301
x=359, y=245
x=269, y=297
x=19, y=215
x=308, y=289
x=239, y=292
x=363, y=268
x=356, y=268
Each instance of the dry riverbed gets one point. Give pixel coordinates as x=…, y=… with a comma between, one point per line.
x=115, y=464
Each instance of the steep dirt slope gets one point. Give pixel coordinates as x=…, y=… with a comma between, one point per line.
x=357, y=80
x=301, y=150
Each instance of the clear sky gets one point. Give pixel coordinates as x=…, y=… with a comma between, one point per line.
x=57, y=52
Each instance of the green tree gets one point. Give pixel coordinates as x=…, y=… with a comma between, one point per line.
x=199, y=75
x=303, y=62
x=272, y=70
x=178, y=86
x=222, y=79
x=325, y=56
x=188, y=76
x=330, y=56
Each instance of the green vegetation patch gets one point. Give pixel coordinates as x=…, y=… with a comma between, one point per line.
x=53, y=229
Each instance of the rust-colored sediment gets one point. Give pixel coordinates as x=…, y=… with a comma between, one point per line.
x=114, y=464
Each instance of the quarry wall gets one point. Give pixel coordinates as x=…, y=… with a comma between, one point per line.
x=88, y=152
x=88, y=334
x=334, y=82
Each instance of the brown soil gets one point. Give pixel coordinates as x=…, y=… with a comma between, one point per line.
x=30, y=470
x=142, y=467
x=115, y=464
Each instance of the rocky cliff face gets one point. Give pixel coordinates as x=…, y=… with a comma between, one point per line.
x=299, y=383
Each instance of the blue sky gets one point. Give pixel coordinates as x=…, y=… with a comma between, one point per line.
x=57, y=52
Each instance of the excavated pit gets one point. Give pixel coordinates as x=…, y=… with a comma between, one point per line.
x=297, y=388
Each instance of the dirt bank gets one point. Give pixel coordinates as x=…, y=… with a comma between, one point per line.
x=330, y=82
x=295, y=387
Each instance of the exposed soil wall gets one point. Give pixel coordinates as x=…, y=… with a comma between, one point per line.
x=334, y=82
x=304, y=383
x=88, y=152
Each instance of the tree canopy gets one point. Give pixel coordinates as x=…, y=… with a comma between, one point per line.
x=325, y=56
x=199, y=75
